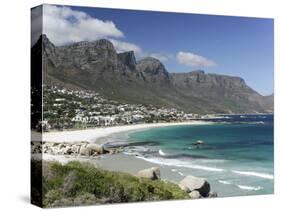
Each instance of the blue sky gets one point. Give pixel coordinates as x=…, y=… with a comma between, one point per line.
x=227, y=45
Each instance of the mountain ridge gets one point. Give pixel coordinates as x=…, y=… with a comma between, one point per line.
x=97, y=66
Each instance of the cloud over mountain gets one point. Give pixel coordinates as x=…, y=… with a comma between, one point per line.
x=191, y=59
x=64, y=25
x=122, y=46
x=162, y=57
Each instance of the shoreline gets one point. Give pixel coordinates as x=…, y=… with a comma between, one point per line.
x=219, y=178
x=95, y=134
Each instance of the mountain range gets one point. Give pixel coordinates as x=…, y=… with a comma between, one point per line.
x=97, y=66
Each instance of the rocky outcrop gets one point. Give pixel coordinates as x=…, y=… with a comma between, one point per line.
x=191, y=183
x=153, y=70
x=152, y=173
x=75, y=149
x=128, y=58
x=92, y=149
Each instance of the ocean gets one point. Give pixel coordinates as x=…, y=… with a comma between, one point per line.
x=237, y=156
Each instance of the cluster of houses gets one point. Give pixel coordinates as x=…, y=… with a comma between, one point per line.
x=64, y=108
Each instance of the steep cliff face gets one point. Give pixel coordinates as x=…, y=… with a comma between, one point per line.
x=85, y=55
x=128, y=59
x=231, y=93
x=97, y=66
x=201, y=80
x=88, y=65
x=153, y=71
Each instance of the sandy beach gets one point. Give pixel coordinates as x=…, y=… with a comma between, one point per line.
x=118, y=162
x=92, y=135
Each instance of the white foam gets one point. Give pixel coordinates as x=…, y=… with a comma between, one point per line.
x=216, y=161
x=161, y=152
x=173, y=170
x=256, y=174
x=180, y=173
x=225, y=182
x=204, y=168
x=137, y=149
x=250, y=188
x=243, y=187
x=178, y=163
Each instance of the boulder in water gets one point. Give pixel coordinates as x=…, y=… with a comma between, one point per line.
x=199, y=142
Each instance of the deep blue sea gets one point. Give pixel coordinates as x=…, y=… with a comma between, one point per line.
x=236, y=157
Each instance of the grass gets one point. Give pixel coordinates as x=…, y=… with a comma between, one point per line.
x=83, y=184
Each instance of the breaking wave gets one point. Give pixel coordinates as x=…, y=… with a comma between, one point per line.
x=179, y=163
x=256, y=174
x=225, y=182
x=161, y=152
x=250, y=188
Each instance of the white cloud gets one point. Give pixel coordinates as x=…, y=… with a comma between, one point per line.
x=161, y=57
x=63, y=25
x=122, y=46
x=190, y=59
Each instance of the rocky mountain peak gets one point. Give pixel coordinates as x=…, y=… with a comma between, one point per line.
x=128, y=58
x=44, y=38
x=197, y=72
x=47, y=46
x=153, y=70
x=151, y=60
x=151, y=65
x=104, y=44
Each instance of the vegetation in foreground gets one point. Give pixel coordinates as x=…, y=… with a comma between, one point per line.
x=83, y=184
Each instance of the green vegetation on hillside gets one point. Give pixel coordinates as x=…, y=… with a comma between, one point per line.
x=83, y=184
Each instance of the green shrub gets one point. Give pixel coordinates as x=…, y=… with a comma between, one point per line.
x=74, y=182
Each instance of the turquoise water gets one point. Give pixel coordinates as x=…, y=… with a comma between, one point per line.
x=236, y=157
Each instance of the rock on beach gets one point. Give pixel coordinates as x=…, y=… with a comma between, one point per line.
x=191, y=183
x=152, y=173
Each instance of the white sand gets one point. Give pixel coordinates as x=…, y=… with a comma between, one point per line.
x=92, y=135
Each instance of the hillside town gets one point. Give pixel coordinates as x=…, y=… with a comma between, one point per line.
x=65, y=109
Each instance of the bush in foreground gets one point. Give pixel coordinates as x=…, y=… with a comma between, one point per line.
x=83, y=184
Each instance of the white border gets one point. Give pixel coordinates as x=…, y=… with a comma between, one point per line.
x=15, y=80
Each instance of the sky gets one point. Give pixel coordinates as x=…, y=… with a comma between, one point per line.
x=237, y=46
